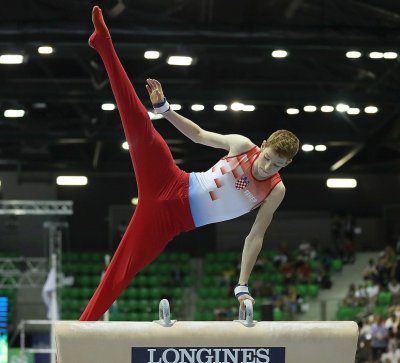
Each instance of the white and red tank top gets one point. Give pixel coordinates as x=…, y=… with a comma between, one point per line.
x=229, y=189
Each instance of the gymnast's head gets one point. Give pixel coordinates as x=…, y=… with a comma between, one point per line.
x=277, y=152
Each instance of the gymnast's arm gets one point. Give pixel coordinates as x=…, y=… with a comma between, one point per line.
x=254, y=240
x=234, y=143
x=231, y=142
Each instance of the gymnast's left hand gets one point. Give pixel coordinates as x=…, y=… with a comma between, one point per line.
x=244, y=297
x=155, y=91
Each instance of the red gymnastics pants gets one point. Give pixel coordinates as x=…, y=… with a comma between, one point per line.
x=163, y=210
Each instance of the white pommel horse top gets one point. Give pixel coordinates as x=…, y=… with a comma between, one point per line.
x=206, y=342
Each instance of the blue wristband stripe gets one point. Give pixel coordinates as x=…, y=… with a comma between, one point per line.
x=161, y=107
x=160, y=104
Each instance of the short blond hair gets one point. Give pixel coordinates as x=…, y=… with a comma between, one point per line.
x=284, y=143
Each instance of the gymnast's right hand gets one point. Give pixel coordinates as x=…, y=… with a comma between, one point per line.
x=242, y=293
x=244, y=297
x=155, y=91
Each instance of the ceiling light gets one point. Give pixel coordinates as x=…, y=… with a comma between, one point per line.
x=177, y=60
x=197, y=107
x=341, y=183
x=320, y=148
x=45, y=49
x=341, y=107
x=292, y=111
x=125, y=145
x=220, y=107
x=279, y=53
x=72, y=180
x=307, y=147
x=248, y=108
x=371, y=109
x=175, y=107
x=390, y=55
x=310, y=108
x=152, y=54
x=353, y=54
x=237, y=106
x=11, y=59
x=108, y=107
x=327, y=108
x=376, y=55
x=135, y=201
x=353, y=111
x=14, y=113
x=39, y=105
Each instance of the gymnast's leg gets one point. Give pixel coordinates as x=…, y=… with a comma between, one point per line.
x=155, y=164
x=142, y=242
x=161, y=213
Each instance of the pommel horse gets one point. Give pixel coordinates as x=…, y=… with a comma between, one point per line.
x=239, y=341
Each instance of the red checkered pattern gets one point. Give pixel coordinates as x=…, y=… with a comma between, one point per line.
x=242, y=183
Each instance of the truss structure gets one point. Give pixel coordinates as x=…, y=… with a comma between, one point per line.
x=36, y=207
x=20, y=272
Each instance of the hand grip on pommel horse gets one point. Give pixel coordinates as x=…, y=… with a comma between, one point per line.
x=246, y=315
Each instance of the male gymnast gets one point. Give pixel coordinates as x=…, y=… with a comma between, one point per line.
x=172, y=201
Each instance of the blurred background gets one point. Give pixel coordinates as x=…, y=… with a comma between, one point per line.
x=326, y=70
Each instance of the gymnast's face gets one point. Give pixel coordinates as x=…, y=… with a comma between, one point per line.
x=268, y=163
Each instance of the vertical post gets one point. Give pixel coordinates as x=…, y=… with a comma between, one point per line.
x=107, y=262
x=54, y=312
x=22, y=343
x=323, y=310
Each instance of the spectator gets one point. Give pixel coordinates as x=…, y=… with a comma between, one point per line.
x=288, y=272
x=365, y=330
x=325, y=280
x=307, y=250
x=392, y=355
x=370, y=272
x=361, y=295
x=303, y=272
x=379, y=338
x=350, y=298
x=363, y=347
x=348, y=251
x=291, y=301
x=394, y=288
x=396, y=271
x=372, y=290
x=383, y=268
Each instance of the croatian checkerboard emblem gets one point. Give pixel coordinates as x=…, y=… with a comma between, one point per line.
x=242, y=183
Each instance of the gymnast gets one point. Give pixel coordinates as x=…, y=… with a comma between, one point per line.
x=172, y=201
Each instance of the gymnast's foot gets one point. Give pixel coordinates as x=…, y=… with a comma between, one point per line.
x=100, y=27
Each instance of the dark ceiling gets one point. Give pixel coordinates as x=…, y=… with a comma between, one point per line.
x=64, y=129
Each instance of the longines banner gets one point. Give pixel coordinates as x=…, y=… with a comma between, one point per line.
x=208, y=355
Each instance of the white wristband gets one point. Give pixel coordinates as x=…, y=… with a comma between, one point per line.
x=241, y=290
x=163, y=107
